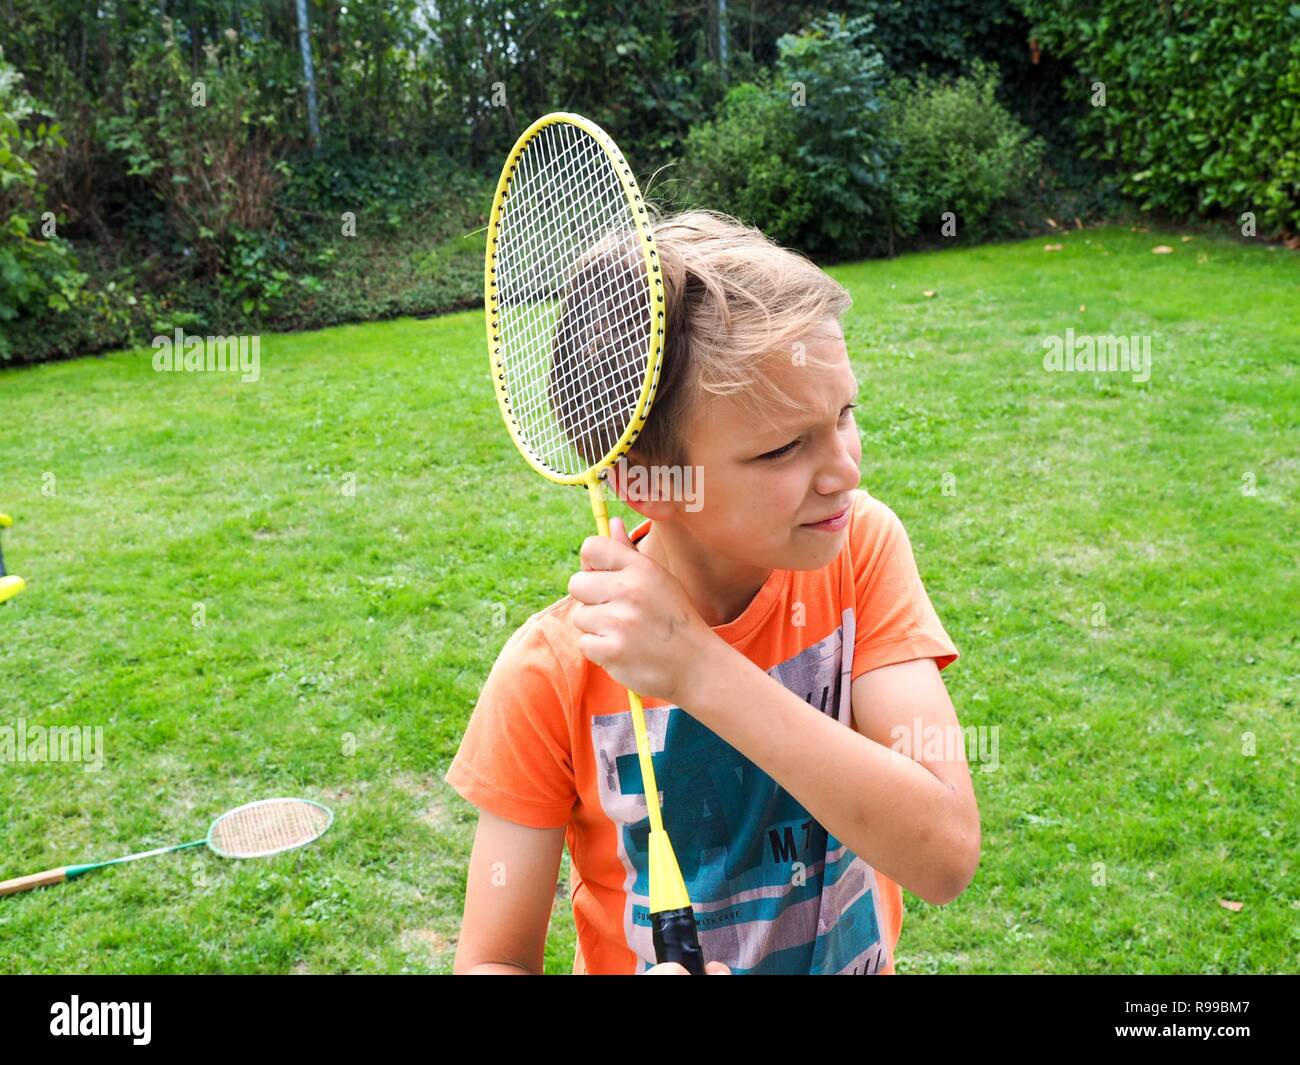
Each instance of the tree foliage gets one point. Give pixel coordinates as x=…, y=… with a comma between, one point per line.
x=1201, y=106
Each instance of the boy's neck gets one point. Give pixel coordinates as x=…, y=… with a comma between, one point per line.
x=720, y=589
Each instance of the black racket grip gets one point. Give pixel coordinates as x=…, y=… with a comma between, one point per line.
x=676, y=940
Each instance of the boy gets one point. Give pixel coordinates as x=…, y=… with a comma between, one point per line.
x=782, y=642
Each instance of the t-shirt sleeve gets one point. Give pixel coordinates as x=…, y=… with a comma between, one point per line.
x=895, y=621
x=515, y=758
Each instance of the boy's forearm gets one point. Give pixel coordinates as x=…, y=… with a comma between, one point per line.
x=886, y=808
x=498, y=968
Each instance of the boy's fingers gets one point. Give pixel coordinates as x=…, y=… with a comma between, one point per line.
x=590, y=587
x=667, y=968
x=593, y=588
x=600, y=552
x=672, y=968
x=592, y=648
x=585, y=619
x=618, y=532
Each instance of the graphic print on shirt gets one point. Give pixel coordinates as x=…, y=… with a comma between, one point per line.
x=773, y=891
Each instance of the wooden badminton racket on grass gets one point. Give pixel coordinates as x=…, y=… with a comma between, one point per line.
x=574, y=297
x=254, y=830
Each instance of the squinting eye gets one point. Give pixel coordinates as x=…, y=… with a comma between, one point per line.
x=795, y=443
x=781, y=451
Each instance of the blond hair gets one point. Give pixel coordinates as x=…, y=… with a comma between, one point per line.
x=734, y=299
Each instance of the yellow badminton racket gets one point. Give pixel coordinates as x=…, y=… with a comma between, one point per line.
x=10, y=584
x=575, y=327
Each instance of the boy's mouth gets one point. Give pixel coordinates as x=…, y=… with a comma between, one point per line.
x=832, y=524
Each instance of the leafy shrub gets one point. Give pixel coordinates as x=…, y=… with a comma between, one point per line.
x=1202, y=100
x=200, y=146
x=803, y=153
x=742, y=162
x=36, y=276
x=947, y=38
x=253, y=279
x=957, y=150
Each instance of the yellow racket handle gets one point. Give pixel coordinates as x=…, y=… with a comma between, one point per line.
x=672, y=915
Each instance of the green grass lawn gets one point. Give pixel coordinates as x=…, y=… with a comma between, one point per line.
x=358, y=537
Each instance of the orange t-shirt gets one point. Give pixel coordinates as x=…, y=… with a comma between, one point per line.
x=551, y=744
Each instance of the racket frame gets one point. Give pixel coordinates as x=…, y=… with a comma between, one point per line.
x=263, y=802
x=655, y=292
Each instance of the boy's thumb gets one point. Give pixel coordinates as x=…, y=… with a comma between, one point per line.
x=618, y=533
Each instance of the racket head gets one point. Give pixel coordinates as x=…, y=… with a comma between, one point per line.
x=574, y=299
x=268, y=826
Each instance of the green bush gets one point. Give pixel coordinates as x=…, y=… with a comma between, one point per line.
x=741, y=162
x=957, y=150
x=205, y=144
x=37, y=277
x=1202, y=100
x=802, y=153
x=861, y=164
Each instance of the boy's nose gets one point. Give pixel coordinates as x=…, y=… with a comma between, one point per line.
x=841, y=472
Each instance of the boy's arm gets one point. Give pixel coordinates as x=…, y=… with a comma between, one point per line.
x=509, y=893
x=909, y=819
x=915, y=822
x=905, y=707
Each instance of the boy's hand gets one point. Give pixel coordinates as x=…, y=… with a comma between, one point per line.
x=672, y=968
x=638, y=623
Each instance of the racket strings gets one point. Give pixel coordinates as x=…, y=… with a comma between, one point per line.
x=581, y=208
x=597, y=376
x=263, y=828
x=602, y=348
x=595, y=380
x=573, y=301
x=546, y=225
x=610, y=307
x=522, y=274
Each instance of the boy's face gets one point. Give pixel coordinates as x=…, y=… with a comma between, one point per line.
x=766, y=478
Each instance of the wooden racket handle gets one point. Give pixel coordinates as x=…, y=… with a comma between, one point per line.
x=27, y=883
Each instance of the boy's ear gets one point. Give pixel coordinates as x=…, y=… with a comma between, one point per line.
x=630, y=478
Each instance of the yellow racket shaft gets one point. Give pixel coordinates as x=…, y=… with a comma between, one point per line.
x=667, y=887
